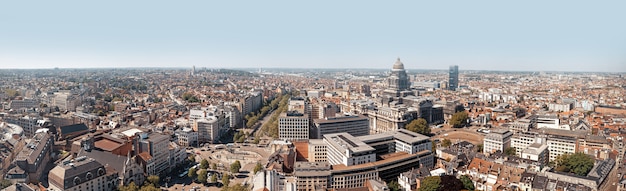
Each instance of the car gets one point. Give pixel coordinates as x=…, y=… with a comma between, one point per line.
x=445, y=135
x=202, y=149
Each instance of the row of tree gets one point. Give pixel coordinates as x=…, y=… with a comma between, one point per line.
x=270, y=128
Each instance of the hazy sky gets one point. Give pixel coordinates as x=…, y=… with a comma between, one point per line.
x=478, y=35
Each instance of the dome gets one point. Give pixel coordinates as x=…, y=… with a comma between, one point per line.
x=398, y=65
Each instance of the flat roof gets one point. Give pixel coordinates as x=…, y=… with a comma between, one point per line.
x=107, y=145
x=340, y=119
x=131, y=132
x=347, y=142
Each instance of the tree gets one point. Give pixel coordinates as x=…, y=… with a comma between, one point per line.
x=213, y=178
x=154, y=180
x=510, y=151
x=202, y=176
x=149, y=187
x=214, y=166
x=192, y=158
x=430, y=183
x=226, y=179
x=236, y=187
x=204, y=164
x=257, y=140
x=192, y=173
x=235, y=167
x=467, y=182
x=393, y=186
x=450, y=183
x=257, y=168
x=577, y=163
x=130, y=187
x=446, y=143
x=419, y=125
x=479, y=148
x=5, y=183
x=459, y=119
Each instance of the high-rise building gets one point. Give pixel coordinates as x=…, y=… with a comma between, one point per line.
x=293, y=125
x=453, y=78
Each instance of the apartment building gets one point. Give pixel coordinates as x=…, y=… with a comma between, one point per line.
x=82, y=174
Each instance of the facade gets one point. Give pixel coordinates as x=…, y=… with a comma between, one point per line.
x=25, y=103
x=30, y=124
x=537, y=152
x=317, y=151
x=312, y=175
x=252, y=103
x=453, y=78
x=357, y=125
x=551, y=122
x=210, y=128
x=385, y=119
x=156, y=147
x=345, y=149
x=82, y=174
x=187, y=137
x=497, y=140
x=33, y=158
x=522, y=140
x=558, y=145
x=293, y=125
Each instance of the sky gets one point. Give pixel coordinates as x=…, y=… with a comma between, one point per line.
x=533, y=35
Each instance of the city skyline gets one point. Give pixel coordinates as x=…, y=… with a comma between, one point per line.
x=484, y=35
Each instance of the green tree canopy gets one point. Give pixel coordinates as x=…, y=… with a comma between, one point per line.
x=430, y=183
x=577, y=163
x=510, y=151
x=214, y=166
x=149, y=187
x=235, y=167
x=130, y=187
x=192, y=173
x=204, y=164
x=394, y=186
x=459, y=119
x=446, y=143
x=258, y=167
x=154, y=180
x=202, y=176
x=419, y=125
x=225, y=179
x=213, y=178
x=236, y=187
x=467, y=182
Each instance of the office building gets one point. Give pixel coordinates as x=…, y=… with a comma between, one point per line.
x=293, y=125
x=453, y=78
x=355, y=125
x=344, y=149
x=317, y=151
x=558, y=145
x=497, y=140
x=312, y=175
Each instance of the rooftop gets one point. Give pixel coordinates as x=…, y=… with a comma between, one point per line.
x=347, y=142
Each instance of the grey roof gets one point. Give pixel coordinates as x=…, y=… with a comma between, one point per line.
x=106, y=158
x=74, y=128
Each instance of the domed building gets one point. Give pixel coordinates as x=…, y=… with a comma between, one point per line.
x=397, y=83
